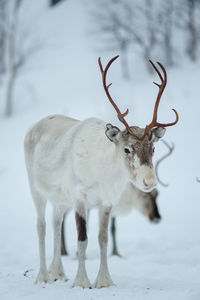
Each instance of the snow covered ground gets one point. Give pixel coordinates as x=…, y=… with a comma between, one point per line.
x=159, y=261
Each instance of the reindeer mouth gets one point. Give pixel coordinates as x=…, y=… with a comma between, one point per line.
x=148, y=187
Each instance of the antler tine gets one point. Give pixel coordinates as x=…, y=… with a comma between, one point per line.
x=100, y=65
x=161, y=87
x=106, y=87
x=171, y=149
x=158, y=72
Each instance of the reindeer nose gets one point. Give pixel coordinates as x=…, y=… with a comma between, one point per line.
x=149, y=183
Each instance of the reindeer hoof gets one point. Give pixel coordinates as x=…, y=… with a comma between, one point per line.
x=43, y=278
x=57, y=275
x=103, y=282
x=82, y=283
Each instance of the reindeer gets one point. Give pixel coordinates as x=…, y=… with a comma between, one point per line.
x=83, y=164
x=131, y=198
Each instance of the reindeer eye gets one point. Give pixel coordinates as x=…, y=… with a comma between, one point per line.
x=126, y=150
x=153, y=150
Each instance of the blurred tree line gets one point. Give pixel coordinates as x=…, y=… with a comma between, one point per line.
x=167, y=30
x=16, y=46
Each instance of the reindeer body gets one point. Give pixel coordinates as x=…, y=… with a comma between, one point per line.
x=62, y=167
x=73, y=164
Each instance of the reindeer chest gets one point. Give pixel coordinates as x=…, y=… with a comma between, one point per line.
x=108, y=189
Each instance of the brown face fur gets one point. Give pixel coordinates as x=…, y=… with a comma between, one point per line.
x=143, y=149
x=138, y=157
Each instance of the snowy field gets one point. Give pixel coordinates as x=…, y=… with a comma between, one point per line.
x=159, y=261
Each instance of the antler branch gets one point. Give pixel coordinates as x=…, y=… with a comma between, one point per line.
x=106, y=87
x=161, y=87
x=171, y=149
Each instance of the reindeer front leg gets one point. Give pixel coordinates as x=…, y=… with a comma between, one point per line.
x=81, y=276
x=103, y=277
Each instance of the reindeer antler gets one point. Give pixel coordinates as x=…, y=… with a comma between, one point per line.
x=122, y=115
x=106, y=87
x=171, y=149
x=161, y=87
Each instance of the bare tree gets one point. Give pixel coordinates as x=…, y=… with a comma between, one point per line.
x=108, y=16
x=2, y=35
x=165, y=25
x=168, y=32
x=126, y=26
x=192, y=29
x=187, y=21
x=151, y=27
x=140, y=26
x=148, y=28
x=13, y=64
x=18, y=50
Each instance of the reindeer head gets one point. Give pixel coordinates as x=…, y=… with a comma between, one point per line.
x=137, y=144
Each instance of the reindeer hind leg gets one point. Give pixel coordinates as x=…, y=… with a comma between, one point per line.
x=40, y=204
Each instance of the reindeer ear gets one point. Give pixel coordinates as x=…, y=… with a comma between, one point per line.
x=157, y=133
x=113, y=133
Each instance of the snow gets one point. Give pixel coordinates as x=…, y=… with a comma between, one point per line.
x=159, y=261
